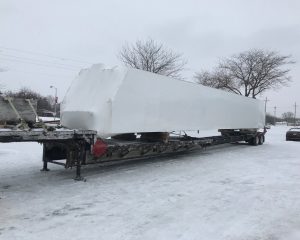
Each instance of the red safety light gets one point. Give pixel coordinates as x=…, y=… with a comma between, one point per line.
x=99, y=148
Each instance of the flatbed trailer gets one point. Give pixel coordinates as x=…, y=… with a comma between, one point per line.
x=74, y=148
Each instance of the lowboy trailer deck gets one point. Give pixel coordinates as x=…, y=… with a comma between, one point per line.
x=74, y=148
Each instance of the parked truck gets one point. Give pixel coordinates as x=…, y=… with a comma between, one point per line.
x=114, y=114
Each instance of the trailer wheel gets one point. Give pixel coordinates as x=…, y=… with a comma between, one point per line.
x=254, y=141
x=261, y=140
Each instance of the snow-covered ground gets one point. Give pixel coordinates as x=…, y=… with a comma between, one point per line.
x=233, y=192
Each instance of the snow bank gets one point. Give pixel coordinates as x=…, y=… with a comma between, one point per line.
x=120, y=100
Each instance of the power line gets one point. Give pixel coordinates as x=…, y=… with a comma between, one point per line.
x=44, y=54
x=38, y=61
x=41, y=73
x=38, y=64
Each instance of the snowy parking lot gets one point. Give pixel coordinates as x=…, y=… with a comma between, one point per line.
x=231, y=192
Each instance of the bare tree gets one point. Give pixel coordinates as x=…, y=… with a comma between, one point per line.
x=26, y=93
x=153, y=57
x=51, y=100
x=271, y=119
x=218, y=79
x=249, y=73
x=288, y=116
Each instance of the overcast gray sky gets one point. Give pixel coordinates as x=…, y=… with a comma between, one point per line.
x=47, y=42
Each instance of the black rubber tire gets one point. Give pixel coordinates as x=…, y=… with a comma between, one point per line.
x=255, y=141
x=261, y=139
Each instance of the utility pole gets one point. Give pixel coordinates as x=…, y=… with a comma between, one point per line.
x=266, y=100
x=295, y=113
x=275, y=115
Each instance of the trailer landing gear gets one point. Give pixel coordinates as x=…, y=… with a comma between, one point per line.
x=73, y=151
x=79, y=159
x=45, y=162
x=78, y=176
x=45, y=168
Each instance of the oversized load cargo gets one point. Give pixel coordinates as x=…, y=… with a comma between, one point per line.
x=124, y=100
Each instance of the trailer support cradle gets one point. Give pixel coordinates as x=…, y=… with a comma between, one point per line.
x=79, y=155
